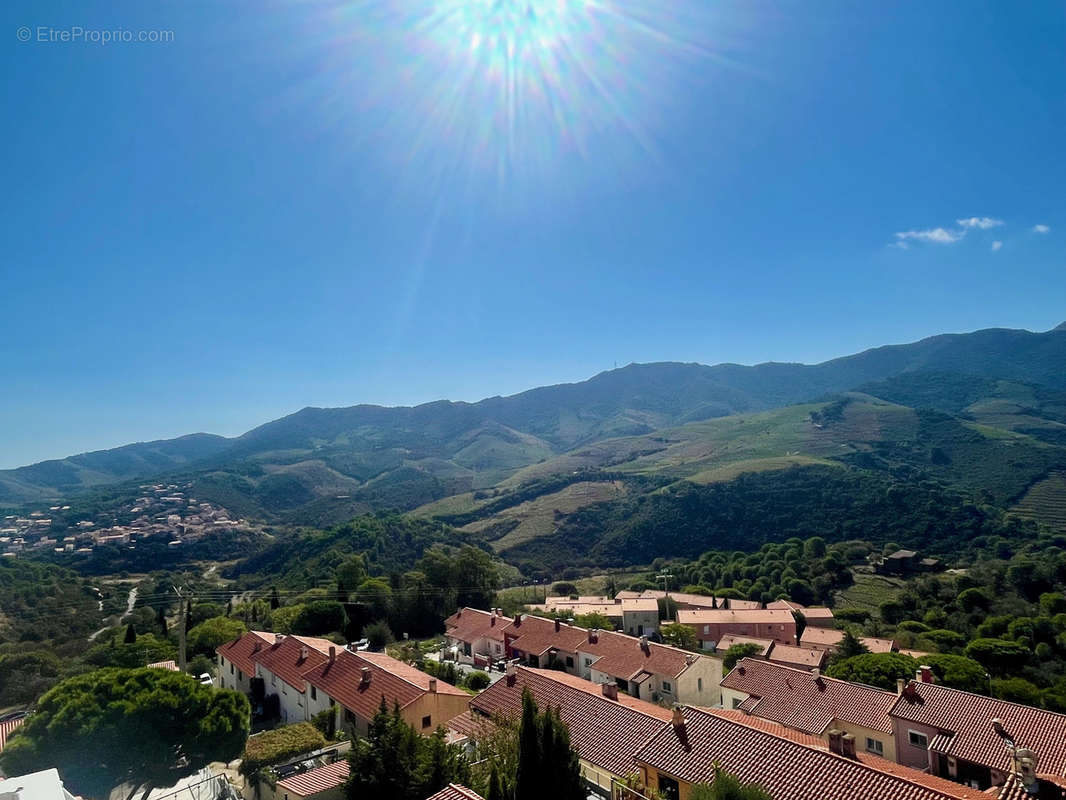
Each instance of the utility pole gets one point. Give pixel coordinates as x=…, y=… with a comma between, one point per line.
x=181, y=629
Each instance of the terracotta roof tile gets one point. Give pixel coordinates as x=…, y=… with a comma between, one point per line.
x=805, y=657
x=718, y=616
x=798, y=699
x=821, y=637
x=729, y=640
x=786, y=768
x=290, y=658
x=316, y=780
x=239, y=651
x=605, y=732
x=397, y=682
x=965, y=722
x=453, y=791
x=471, y=624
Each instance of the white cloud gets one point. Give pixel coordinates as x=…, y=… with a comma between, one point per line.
x=1041, y=229
x=984, y=223
x=996, y=245
x=936, y=235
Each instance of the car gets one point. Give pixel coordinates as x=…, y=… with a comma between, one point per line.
x=206, y=679
x=14, y=715
x=362, y=644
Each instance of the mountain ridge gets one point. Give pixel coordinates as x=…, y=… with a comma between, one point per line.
x=472, y=444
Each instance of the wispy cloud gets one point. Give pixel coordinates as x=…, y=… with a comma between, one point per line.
x=984, y=223
x=996, y=245
x=935, y=235
x=1041, y=229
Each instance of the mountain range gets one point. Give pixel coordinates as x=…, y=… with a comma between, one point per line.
x=948, y=406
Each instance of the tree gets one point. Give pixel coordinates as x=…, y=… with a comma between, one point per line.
x=727, y=787
x=678, y=635
x=973, y=599
x=999, y=656
x=131, y=635
x=564, y=589
x=379, y=634
x=211, y=633
x=144, y=727
x=594, y=620
x=394, y=762
x=957, y=672
x=145, y=650
x=737, y=652
x=849, y=647
x=283, y=620
x=547, y=765
x=1017, y=690
x=875, y=669
x=275, y=601
x=26, y=674
x=801, y=623
x=319, y=617
x=351, y=572
x=376, y=595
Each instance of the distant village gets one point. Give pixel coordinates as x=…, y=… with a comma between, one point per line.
x=163, y=511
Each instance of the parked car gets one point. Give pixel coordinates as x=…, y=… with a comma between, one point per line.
x=205, y=679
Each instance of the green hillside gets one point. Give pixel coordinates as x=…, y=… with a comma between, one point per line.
x=1045, y=503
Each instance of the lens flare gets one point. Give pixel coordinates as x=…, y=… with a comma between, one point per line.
x=516, y=92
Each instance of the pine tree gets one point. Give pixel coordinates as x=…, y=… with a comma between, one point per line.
x=275, y=601
x=131, y=634
x=161, y=618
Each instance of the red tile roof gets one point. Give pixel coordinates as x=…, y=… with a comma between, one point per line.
x=605, y=732
x=786, y=768
x=821, y=637
x=397, y=682
x=965, y=722
x=471, y=624
x=453, y=791
x=805, y=657
x=718, y=616
x=290, y=658
x=729, y=640
x=7, y=728
x=239, y=651
x=468, y=725
x=875, y=645
x=316, y=780
x=798, y=699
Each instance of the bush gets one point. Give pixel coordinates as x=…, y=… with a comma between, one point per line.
x=378, y=634
x=478, y=680
x=325, y=722
x=859, y=615
x=875, y=669
x=998, y=655
x=913, y=626
x=280, y=744
x=564, y=588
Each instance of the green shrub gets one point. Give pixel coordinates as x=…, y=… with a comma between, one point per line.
x=280, y=744
x=478, y=680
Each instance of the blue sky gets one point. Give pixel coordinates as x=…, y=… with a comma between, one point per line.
x=311, y=203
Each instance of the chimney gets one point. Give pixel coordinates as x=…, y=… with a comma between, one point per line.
x=517, y=619
x=644, y=645
x=834, y=741
x=278, y=637
x=365, y=680
x=925, y=674
x=332, y=654
x=303, y=653
x=847, y=746
x=512, y=674
x=492, y=620
x=558, y=625
x=900, y=684
x=257, y=646
x=433, y=685
x=592, y=636
x=678, y=719
x=610, y=690
x=816, y=673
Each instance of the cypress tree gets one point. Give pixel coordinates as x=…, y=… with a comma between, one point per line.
x=528, y=780
x=131, y=634
x=275, y=601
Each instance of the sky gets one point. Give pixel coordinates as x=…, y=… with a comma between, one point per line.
x=216, y=214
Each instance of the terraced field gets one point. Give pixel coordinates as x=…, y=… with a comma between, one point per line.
x=1045, y=502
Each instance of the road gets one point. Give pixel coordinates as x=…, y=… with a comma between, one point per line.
x=131, y=601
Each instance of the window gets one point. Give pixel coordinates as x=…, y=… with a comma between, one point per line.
x=426, y=722
x=736, y=702
x=699, y=684
x=875, y=746
x=314, y=693
x=669, y=787
x=283, y=690
x=918, y=739
x=569, y=661
x=240, y=675
x=666, y=686
x=231, y=669
x=349, y=716
x=273, y=679
x=706, y=628
x=332, y=703
x=588, y=661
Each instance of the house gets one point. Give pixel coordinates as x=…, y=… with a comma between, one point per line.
x=975, y=739
x=809, y=702
x=729, y=640
x=321, y=783
x=829, y=639
x=789, y=765
x=43, y=785
x=809, y=658
x=639, y=667
x=685, y=600
x=901, y=562
x=636, y=616
x=606, y=726
x=234, y=660
x=281, y=665
x=357, y=683
x=453, y=791
x=710, y=625
x=476, y=636
x=816, y=616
